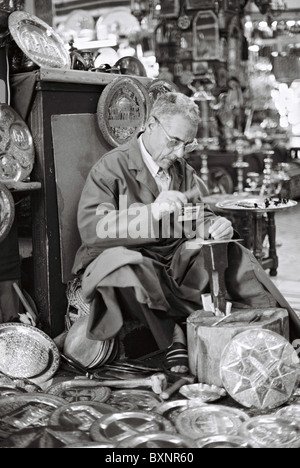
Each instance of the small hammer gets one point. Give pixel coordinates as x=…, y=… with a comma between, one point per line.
x=184, y=380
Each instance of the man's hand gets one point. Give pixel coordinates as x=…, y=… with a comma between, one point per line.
x=221, y=229
x=168, y=202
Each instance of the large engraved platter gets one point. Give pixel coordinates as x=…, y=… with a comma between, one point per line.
x=134, y=400
x=27, y=353
x=122, y=110
x=16, y=146
x=158, y=87
x=38, y=41
x=7, y=211
x=259, y=369
x=80, y=390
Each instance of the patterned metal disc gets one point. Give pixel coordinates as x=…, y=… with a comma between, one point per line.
x=259, y=369
x=223, y=441
x=79, y=415
x=119, y=426
x=80, y=390
x=7, y=211
x=157, y=441
x=204, y=421
x=291, y=412
x=134, y=400
x=122, y=110
x=171, y=409
x=160, y=86
x=271, y=432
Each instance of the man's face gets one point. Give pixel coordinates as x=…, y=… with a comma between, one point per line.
x=168, y=137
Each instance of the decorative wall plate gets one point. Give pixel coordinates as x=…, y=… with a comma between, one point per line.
x=7, y=211
x=122, y=110
x=80, y=390
x=259, y=369
x=160, y=86
x=119, y=426
x=16, y=146
x=27, y=353
x=131, y=66
x=38, y=41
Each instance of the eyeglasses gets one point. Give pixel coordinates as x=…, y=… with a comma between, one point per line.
x=178, y=144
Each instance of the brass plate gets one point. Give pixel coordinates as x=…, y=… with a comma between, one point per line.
x=291, y=412
x=271, y=432
x=22, y=411
x=79, y=415
x=119, y=426
x=249, y=204
x=223, y=441
x=134, y=400
x=157, y=441
x=259, y=369
x=158, y=87
x=7, y=211
x=80, y=390
x=38, y=41
x=131, y=66
x=16, y=146
x=122, y=110
x=204, y=392
x=27, y=353
x=209, y=420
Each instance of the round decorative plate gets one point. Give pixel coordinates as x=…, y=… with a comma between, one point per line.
x=157, y=441
x=158, y=87
x=171, y=409
x=209, y=420
x=256, y=204
x=27, y=353
x=271, y=432
x=131, y=66
x=80, y=415
x=80, y=390
x=223, y=441
x=134, y=400
x=291, y=412
x=16, y=146
x=7, y=211
x=259, y=369
x=122, y=110
x=119, y=426
x=22, y=411
x=38, y=41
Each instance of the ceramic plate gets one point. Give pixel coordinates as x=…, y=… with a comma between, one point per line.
x=38, y=41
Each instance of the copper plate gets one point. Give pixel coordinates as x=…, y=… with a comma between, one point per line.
x=7, y=211
x=157, y=441
x=249, y=204
x=223, y=441
x=259, y=369
x=16, y=146
x=122, y=110
x=22, y=411
x=271, y=432
x=134, y=400
x=38, y=41
x=291, y=412
x=27, y=353
x=209, y=420
x=80, y=390
x=119, y=426
x=131, y=66
x=160, y=86
x=79, y=415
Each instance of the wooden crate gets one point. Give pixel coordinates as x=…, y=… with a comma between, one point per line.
x=206, y=343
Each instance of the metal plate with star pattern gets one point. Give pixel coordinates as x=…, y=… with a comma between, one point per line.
x=271, y=432
x=209, y=420
x=259, y=369
x=80, y=390
x=119, y=426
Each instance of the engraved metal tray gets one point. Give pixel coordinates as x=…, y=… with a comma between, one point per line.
x=291, y=412
x=134, y=400
x=157, y=441
x=171, y=409
x=259, y=369
x=38, y=41
x=17, y=152
x=7, y=211
x=158, y=87
x=209, y=420
x=119, y=426
x=254, y=204
x=122, y=110
x=27, y=353
x=222, y=441
x=80, y=390
x=271, y=432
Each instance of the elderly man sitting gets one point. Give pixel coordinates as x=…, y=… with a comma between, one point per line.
x=136, y=260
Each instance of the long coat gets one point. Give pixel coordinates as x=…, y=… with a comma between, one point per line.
x=115, y=211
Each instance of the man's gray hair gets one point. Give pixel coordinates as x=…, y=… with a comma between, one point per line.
x=170, y=104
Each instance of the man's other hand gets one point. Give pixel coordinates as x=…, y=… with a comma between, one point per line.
x=168, y=201
x=221, y=229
